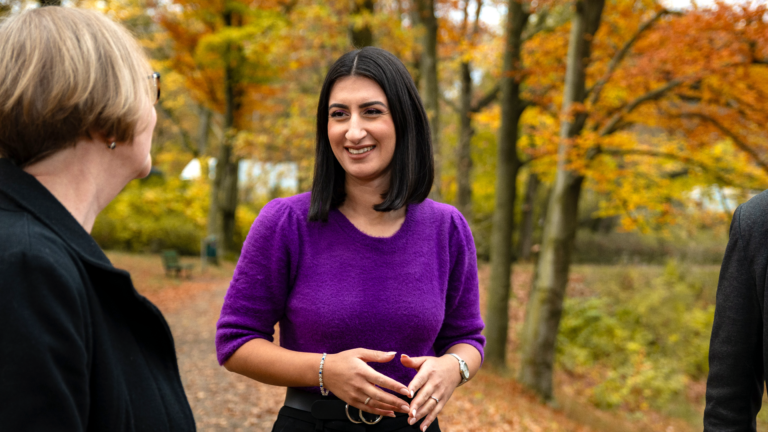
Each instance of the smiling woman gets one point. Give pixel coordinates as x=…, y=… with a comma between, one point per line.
x=370, y=92
x=363, y=268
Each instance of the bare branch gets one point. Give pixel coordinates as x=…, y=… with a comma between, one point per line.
x=612, y=124
x=487, y=99
x=185, y=138
x=730, y=134
x=541, y=25
x=594, y=92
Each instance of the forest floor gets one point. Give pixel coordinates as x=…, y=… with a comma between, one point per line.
x=223, y=401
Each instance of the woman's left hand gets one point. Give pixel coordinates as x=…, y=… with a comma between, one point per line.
x=437, y=377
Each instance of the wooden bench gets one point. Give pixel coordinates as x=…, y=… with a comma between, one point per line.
x=174, y=266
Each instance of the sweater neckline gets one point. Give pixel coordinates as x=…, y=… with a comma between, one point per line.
x=348, y=227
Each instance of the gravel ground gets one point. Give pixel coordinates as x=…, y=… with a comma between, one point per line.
x=221, y=401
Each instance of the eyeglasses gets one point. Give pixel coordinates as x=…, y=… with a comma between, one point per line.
x=155, y=77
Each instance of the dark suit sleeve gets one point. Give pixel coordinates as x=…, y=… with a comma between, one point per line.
x=43, y=345
x=735, y=382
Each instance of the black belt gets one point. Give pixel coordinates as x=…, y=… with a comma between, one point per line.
x=332, y=412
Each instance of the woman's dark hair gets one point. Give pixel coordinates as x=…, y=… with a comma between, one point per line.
x=412, y=166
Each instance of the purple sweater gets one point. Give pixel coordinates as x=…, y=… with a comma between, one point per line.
x=333, y=288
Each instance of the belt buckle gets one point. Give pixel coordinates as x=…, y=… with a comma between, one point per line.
x=362, y=417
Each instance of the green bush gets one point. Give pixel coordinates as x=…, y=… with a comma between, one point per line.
x=649, y=340
x=154, y=214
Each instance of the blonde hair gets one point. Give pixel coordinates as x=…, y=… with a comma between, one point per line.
x=65, y=73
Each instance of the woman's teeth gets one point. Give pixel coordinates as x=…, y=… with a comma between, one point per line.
x=360, y=151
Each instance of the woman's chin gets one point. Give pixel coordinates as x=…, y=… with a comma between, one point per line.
x=145, y=170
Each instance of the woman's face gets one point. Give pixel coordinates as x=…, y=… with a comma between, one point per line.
x=142, y=142
x=360, y=128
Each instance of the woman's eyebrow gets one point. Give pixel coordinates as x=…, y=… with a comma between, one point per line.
x=338, y=105
x=367, y=104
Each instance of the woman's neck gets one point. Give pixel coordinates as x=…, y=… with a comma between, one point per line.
x=77, y=178
x=358, y=207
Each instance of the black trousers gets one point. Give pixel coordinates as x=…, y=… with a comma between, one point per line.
x=293, y=420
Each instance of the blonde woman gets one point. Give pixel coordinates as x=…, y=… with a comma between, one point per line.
x=80, y=348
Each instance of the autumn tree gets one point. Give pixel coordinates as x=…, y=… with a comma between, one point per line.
x=545, y=307
x=643, y=79
x=430, y=92
x=220, y=49
x=515, y=99
x=507, y=166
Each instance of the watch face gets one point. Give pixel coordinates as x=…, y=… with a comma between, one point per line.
x=464, y=370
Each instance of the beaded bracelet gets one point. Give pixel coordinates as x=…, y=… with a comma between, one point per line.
x=323, y=391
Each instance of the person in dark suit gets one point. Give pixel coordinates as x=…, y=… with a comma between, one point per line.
x=738, y=350
x=80, y=349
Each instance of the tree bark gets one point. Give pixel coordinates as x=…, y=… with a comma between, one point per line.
x=361, y=36
x=203, y=129
x=525, y=239
x=508, y=164
x=224, y=192
x=464, y=149
x=545, y=305
x=429, y=82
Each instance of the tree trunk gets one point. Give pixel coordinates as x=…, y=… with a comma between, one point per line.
x=429, y=81
x=50, y=3
x=508, y=164
x=203, y=129
x=361, y=36
x=525, y=239
x=224, y=194
x=545, y=305
x=463, y=150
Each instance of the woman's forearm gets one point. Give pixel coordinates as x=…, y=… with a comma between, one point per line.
x=266, y=362
x=470, y=355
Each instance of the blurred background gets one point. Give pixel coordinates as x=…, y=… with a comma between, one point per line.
x=598, y=149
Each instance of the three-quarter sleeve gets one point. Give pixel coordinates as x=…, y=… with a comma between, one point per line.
x=462, y=323
x=257, y=295
x=735, y=382
x=44, y=346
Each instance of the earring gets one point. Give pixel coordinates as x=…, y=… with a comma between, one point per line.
x=113, y=145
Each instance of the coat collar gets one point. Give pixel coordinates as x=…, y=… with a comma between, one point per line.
x=32, y=196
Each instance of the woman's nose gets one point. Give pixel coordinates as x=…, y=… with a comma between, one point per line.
x=356, y=132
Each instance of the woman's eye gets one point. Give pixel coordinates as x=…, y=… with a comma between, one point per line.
x=372, y=111
x=337, y=114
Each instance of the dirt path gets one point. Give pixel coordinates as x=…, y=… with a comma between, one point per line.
x=221, y=401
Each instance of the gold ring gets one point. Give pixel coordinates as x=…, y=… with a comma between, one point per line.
x=362, y=417
x=346, y=408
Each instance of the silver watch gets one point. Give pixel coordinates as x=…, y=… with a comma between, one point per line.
x=462, y=368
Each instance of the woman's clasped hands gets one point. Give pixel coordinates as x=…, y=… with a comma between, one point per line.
x=348, y=376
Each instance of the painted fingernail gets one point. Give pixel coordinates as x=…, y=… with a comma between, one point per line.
x=391, y=353
x=391, y=414
x=405, y=391
x=412, y=395
x=411, y=421
x=413, y=413
x=424, y=428
x=404, y=408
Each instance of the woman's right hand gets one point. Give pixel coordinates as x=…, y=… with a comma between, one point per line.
x=347, y=376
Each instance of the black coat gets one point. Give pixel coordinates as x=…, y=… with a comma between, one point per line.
x=737, y=352
x=80, y=349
